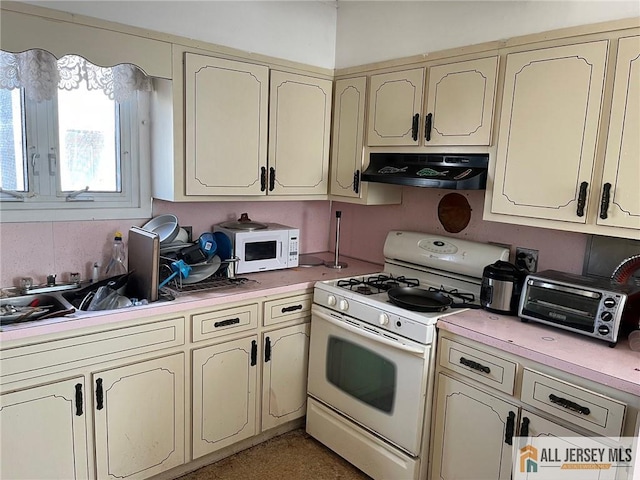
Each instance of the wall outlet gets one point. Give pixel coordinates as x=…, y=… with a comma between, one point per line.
x=527, y=258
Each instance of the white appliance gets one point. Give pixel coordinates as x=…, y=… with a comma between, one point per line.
x=271, y=247
x=371, y=362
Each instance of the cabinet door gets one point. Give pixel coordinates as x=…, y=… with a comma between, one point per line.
x=394, y=101
x=299, y=131
x=139, y=418
x=44, y=432
x=225, y=126
x=460, y=100
x=348, y=132
x=548, y=130
x=224, y=394
x=470, y=433
x=541, y=433
x=284, y=375
x=621, y=177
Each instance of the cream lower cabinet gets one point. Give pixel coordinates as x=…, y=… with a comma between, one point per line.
x=253, y=377
x=105, y=404
x=224, y=394
x=44, y=432
x=472, y=433
x=480, y=412
x=137, y=413
x=139, y=418
x=284, y=375
x=286, y=358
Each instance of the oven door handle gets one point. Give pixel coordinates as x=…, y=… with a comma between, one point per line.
x=371, y=336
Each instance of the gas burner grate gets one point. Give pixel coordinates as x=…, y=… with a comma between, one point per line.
x=453, y=292
x=377, y=283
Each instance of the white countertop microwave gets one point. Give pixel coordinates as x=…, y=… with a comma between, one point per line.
x=271, y=248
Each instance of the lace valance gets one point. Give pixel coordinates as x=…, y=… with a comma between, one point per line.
x=41, y=74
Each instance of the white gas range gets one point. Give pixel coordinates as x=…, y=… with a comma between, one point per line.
x=371, y=360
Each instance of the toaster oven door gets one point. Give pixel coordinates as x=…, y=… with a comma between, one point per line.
x=565, y=306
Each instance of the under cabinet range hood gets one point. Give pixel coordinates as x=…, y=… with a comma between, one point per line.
x=443, y=170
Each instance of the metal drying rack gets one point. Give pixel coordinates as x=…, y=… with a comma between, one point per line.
x=217, y=281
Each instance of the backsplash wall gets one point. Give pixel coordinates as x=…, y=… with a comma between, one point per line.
x=363, y=229
x=39, y=248
x=36, y=249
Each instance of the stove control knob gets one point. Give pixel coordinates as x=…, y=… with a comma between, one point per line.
x=383, y=319
x=343, y=305
x=331, y=300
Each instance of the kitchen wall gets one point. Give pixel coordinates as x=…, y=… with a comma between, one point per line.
x=301, y=31
x=363, y=229
x=314, y=32
x=373, y=31
x=36, y=249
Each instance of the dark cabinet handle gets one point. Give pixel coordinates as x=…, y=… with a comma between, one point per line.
x=99, y=395
x=79, y=399
x=356, y=181
x=427, y=127
x=474, y=365
x=267, y=349
x=582, y=199
x=263, y=179
x=414, y=127
x=272, y=179
x=225, y=323
x=604, y=202
x=254, y=353
x=524, y=427
x=569, y=405
x=509, y=429
x=292, y=308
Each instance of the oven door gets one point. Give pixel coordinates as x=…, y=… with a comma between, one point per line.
x=374, y=380
x=262, y=250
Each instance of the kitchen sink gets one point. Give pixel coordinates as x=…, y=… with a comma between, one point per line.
x=28, y=308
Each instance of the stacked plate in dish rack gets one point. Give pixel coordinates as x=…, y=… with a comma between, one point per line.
x=205, y=256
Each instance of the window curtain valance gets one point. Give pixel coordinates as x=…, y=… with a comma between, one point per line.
x=41, y=74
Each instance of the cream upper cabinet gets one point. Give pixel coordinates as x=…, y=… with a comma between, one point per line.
x=548, y=131
x=348, y=133
x=460, y=103
x=347, y=155
x=459, y=108
x=395, y=102
x=299, y=133
x=226, y=106
x=620, y=194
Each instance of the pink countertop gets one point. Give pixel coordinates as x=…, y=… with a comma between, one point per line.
x=266, y=283
x=617, y=367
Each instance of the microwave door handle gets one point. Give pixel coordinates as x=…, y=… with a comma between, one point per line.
x=370, y=336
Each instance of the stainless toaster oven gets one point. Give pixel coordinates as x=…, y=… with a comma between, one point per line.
x=589, y=306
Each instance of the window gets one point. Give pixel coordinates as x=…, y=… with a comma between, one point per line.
x=80, y=154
